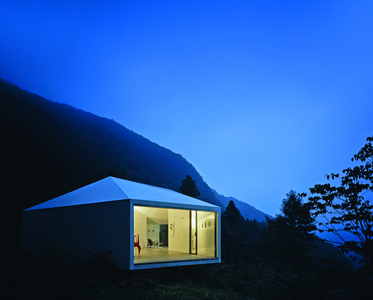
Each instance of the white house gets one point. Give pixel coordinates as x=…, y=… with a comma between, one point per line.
x=143, y=226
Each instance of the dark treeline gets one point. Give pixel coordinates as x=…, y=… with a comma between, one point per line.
x=49, y=149
x=286, y=256
x=283, y=258
x=248, y=211
x=260, y=260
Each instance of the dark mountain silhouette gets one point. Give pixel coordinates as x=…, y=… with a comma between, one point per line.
x=48, y=149
x=246, y=210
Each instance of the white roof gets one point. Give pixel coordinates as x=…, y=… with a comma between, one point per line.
x=113, y=189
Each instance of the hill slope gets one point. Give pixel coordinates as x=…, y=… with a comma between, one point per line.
x=49, y=149
x=246, y=210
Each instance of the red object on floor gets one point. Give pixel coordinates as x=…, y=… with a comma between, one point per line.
x=137, y=244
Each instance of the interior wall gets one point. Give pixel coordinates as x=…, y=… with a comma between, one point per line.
x=153, y=231
x=206, y=233
x=178, y=236
x=140, y=228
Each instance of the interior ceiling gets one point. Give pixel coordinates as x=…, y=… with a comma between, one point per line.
x=158, y=215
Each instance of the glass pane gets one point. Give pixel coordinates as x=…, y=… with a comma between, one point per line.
x=206, y=233
x=166, y=235
x=193, y=232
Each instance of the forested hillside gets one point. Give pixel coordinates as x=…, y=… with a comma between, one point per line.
x=49, y=149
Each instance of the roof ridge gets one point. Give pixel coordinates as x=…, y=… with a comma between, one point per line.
x=112, y=188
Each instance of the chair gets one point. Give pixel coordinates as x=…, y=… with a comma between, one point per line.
x=150, y=243
x=137, y=243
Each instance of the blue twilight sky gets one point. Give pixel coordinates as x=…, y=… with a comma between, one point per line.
x=260, y=96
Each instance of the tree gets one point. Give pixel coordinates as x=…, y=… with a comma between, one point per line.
x=231, y=213
x=234, y=234
x=291, y=232
x=295, y=218
x=297, y=215
x=347, y=207
x=188, y=187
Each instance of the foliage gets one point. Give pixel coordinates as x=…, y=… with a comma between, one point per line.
x=231, y=213
x=297, y=216
x=188, y=187
x=99, y=261
x=250, y=274
x=187, y=290
x=347, y=207
x=240, y=237
x=290, y=233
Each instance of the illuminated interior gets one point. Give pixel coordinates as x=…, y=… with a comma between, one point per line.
x=166, y=234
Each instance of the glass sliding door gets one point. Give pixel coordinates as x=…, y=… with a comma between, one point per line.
x=206, y=233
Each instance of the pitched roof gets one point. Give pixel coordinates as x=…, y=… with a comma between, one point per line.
x=113, y=189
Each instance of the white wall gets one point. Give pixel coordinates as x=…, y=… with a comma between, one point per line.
x=206, y=233
x=179, y=241
x=153, y=232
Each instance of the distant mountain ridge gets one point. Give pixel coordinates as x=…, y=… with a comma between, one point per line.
x=49, y=149
x=246, y=210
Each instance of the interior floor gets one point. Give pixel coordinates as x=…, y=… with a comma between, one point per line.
x=164, y=255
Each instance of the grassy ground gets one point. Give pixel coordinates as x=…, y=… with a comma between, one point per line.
x=27, y=276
